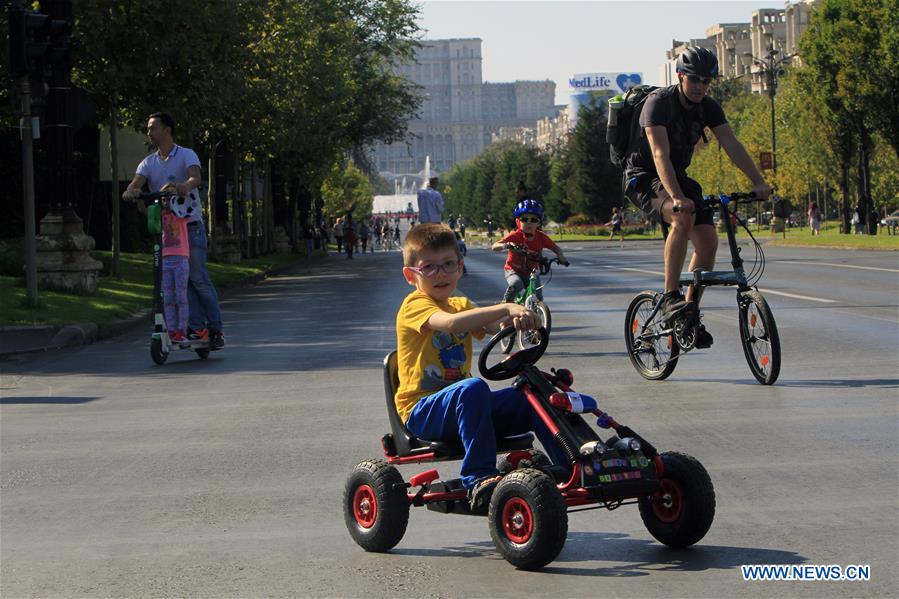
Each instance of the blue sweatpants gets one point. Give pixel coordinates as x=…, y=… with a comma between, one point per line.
x=470, y=411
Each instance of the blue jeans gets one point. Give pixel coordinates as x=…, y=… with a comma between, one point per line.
x=470, y=411
x=201, y=293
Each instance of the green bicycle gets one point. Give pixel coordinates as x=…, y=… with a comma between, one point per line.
x=531, y=297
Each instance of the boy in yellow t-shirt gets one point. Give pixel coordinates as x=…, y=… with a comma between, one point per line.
x=438, y=399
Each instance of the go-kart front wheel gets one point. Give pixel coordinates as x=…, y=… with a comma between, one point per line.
x=528, y=519
x=681, y=512
x=375, y=506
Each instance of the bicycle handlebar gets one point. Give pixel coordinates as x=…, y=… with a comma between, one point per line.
x=737, y=197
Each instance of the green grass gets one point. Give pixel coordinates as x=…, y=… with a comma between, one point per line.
x=831, y=237
x=117, y=297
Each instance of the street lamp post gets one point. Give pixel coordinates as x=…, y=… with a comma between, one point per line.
x=772, y=68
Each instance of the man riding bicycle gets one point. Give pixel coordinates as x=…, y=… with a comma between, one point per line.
x=672, y=121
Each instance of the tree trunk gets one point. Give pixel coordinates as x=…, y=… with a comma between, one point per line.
x=267, y=216
x=254, y=222
x=844, y=200
x=116, y=200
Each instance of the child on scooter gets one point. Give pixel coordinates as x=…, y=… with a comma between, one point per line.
x=437, y=397
x=175, y=270
x=528, y=217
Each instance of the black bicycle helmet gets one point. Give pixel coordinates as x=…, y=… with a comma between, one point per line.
x=698, y=61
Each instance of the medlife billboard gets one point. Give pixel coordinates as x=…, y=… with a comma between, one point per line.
x=584, y=86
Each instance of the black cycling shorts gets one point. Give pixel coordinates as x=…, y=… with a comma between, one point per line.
x=650, y=194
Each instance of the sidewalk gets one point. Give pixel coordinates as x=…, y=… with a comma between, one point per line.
x=29, y=339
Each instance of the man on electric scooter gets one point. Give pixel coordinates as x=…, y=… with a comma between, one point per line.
x=672, y=122
x=178, y=168
x=528, y=217
x=437, y=397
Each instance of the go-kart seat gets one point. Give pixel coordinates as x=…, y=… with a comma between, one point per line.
x=407, y=444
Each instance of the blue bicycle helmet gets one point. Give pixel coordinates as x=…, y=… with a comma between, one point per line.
x=528, y=207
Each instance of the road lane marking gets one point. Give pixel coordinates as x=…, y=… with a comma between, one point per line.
x=838, y=265
x=649, y=272
x=797, y=296
x=772, y=292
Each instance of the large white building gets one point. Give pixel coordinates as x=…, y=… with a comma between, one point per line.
x=460, y=113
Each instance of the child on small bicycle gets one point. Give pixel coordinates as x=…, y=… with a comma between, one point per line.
x=437, y=397
x=528, y=236
x=175, y=268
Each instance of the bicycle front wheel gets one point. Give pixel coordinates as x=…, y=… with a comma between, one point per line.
x=758, y=335
x=532, y=338
x=652, y=353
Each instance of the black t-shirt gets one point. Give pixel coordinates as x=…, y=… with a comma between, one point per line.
x=684, y=126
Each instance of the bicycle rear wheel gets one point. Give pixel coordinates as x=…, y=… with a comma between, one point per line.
x=758, y=336
x=653, y=355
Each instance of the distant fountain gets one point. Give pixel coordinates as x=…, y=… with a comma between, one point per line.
x=427, y=172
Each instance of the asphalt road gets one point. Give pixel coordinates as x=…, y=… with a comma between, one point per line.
x=224, y=477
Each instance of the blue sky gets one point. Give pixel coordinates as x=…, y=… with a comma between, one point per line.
x=554, y=40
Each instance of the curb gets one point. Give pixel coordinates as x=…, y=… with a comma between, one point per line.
x=51, y=338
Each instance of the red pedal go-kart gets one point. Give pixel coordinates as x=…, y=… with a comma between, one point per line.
x=528, y=512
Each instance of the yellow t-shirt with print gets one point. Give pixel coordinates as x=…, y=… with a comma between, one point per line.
x=428, y=360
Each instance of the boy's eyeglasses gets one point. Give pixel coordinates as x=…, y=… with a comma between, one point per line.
x=529, y=219
x=698, y=79
x=430, y=270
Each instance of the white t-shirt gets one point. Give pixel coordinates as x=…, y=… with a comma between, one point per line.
x=173, y=169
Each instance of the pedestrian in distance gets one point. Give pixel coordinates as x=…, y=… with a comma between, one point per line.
x=338, y=234
x=364, y=234
x=814, y=218
x=430, y=203
x=174, y=167
x=462, y=226
x=615, y=223
x=672, y=121
x=437, y=397
x=349, y=236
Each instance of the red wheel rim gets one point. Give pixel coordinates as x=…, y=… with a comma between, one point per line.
x=365, y=507
x=668, y=503
x=518, y=520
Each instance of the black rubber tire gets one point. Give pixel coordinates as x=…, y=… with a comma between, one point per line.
x=637, y=311
x=758, y=337
x=203, y=353
x=546, y=319
x=688, y=486
x=382, y=486
x=544, y=527
x=156, y=352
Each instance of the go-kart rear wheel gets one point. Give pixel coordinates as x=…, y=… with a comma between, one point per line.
x=681, y=512
x=156, y=352
x=528, y=519
x=375, y=506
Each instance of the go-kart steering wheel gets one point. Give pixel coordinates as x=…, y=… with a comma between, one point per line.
x=515, y=363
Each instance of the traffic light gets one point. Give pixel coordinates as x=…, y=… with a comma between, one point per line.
x=34, y=40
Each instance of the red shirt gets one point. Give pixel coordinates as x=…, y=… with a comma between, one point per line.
x=537, y=243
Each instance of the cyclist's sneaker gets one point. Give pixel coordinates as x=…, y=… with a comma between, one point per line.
x=703, y=337
x=197, y=334
x=674, y=304
x=509, y=295
x=216, y=340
